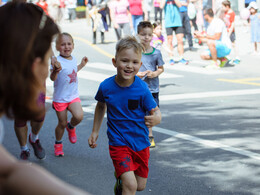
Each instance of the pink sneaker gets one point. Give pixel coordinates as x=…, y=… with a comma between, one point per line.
x=58, y=150
x=72, y=134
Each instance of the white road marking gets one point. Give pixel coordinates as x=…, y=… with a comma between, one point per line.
x=208, y=143
x=209, y=94
x=196, y=69
x=204, y=142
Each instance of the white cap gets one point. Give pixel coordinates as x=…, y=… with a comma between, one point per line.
x=252, y=5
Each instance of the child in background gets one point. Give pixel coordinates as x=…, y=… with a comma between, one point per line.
x=158, y=39
x=152, y=65
x=66, y=95
x=126, y=99
x=255, y=25
x=229, y=19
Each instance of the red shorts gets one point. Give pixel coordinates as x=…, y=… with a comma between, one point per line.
x=125, y=159
x=62, y=106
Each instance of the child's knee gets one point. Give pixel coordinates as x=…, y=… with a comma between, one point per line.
x=62, y=124
x=79, y=116
x=141, y=187
x=130, y=185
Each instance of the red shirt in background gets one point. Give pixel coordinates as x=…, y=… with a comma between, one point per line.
x=44, y=6
x=229, y=18
x=135, y=7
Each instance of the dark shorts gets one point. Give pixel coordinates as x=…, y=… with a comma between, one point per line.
x=125, y=159
x=177, y=30
x=233, y=37
x=156, y=98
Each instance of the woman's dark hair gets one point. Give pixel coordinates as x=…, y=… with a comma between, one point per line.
x=26, y=33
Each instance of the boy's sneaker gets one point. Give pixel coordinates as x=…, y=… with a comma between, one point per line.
x=118, y=186
x=25, y=155
x=151, y=139
x=58, y=150
x=224, y=61
x=172, y=62
x=236, y=62
x=183, y=61
x=72, y=134
x=39, y=152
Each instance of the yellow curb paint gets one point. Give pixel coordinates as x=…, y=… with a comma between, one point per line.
x=247, y=81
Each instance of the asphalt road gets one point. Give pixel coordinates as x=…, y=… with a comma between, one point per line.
x=207, y=143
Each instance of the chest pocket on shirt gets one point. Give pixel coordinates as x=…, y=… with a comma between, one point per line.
x=133, y=104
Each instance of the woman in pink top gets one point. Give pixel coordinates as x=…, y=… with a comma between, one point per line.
x=137, y=11
x=121, y=17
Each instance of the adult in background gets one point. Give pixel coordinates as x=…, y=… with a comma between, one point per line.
x=71, y=6
x=121, y=17
x=157, y=10
x=186, y=22
x=53, y=9
x=21, y=79
x=173, y=24
x=137, y=11
x=217, y=39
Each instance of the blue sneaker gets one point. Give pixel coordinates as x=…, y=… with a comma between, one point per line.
x=183, y=61
x=236, y=61
x=172, y=62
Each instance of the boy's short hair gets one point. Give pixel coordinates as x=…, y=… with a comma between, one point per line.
x=63, y=34
x=128, y=42
x=209, y=11
x=226, y=3
x=144, y=24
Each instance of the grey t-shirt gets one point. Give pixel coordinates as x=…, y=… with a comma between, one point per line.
x=151, y=61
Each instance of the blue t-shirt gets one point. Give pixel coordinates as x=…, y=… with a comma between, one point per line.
x=183, y=8
x=126, y=108
x=172, y=14
x=150, y=62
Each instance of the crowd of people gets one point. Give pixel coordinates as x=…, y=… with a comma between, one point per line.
x=124, y=96
x=183, y=20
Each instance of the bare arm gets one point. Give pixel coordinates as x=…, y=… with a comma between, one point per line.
x=156, y=73
x=83, y=63
x=14, y=178
x=98, y=118
x=178, y=3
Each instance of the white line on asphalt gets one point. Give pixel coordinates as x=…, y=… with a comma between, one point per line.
x=204, y=142
x=209, y=94
x=196, y=69
x=208, y=143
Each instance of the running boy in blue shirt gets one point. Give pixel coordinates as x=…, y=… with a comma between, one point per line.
x=152, y=65
x=127, y=99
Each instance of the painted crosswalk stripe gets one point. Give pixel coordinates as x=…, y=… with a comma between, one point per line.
x=209, y=94
x=203, y=142
x=207, y=143
x=196, y=69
